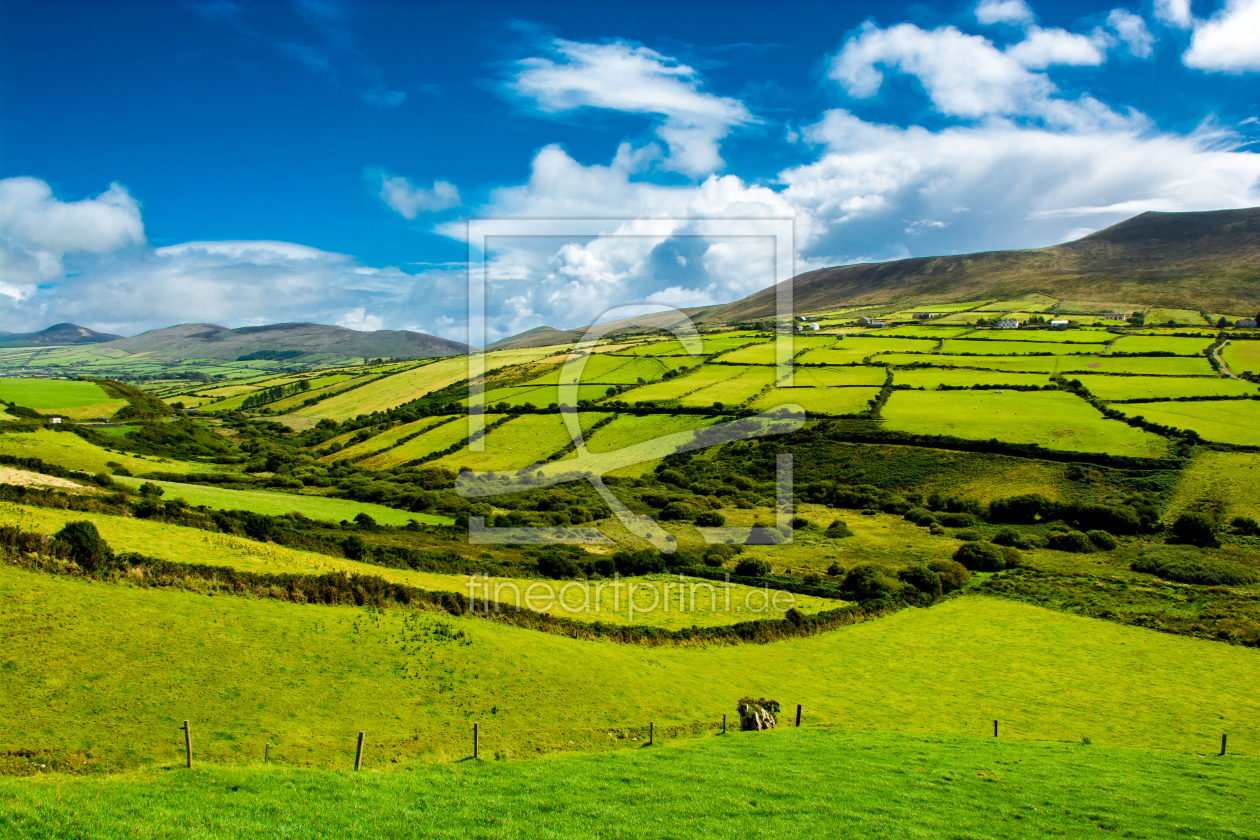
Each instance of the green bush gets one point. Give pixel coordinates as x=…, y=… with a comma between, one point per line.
x=678, y=511
x=87, y=548
x=554, y=565
x=752, y=567
x=923, y=579
x=1102, y=540
x=672, y=477
x=1014, y=539
x=1195, y=528
x=1186, y=565
x=838, y=530
x=799, y=522
x=980, y=557
x=968, y=535
x=952, y=575
x=1070, y=541
x=710, y=519
x=835, y=570
x=811, y=579
x=869, y=581
x=1245, y=526
x=920, y=516
x=150, y=490
x=956, y=520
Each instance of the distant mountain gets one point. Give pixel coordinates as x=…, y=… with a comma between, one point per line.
x=1200, y=261
x=296, y=342
x=537, y=337
x=57, y=334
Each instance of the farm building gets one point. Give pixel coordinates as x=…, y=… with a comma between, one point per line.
x=870, y=322
x=1059, y=323
x=1115, y=316
x=1008, y=324
x=922, y=316
x=1245, y=322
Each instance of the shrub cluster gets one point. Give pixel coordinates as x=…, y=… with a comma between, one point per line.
x=1186, y=565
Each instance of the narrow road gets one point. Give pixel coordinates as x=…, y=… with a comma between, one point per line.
x=1216, y=353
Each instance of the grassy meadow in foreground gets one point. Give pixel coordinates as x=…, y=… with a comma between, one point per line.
x=788, y=783
x=306, y=678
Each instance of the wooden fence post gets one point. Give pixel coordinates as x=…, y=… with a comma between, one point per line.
x=651, y=732
x=267, y=754
x=723, y=724
x=358, y=752
x=995, y=729
x=188, y=745
x=798, y=714
x=1222, y=745
x=476, y=740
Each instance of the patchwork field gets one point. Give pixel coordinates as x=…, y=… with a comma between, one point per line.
x=278, y=504
x=1241, y=356
x=1053, y=419
x=439, y=438
x=52, y=393
x=825, y=401
x=524, y=440
x=1231, y=421
x=1162, y=387
x=1160, y=344
x=73, y=452
x=991, y=347
x=929, y=378
x=1221, y=483
x=821, y=377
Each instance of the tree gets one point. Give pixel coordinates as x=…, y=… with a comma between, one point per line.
x=151, y=490
x=1196, y=529
x=980, y=557
x=752, y=567
x=87, y=548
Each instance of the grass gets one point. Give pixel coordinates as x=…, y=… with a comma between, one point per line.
x=1233, y=421
x=1028, y=364
x=277, y=504
x=434, y=440
x=73, y=452
x=1151, y=366
x=1223, y=483
x=929, y=378
x=1160, y=315
x=827, y=401
x=1241, y=356
x=307, y=677
x=704, y=377
x=658, y=600
x=1054, y=419
x=807, y=782
x=821, y=377
x=52, y=393
x=990, y=347
x=1162, y=387
x=391, y=391
x=1045, y=336
x=1160, y=344
x=739, y=385
x=629, y=429
x=388, y=438
x=523, y=440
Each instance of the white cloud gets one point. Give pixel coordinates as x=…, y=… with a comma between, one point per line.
x=1174, y=13
x=408, y=200
x=633, y=79
x=1229, y=41
x=382, y=97
x=359, y=319
x=989, y=12
x=967, y=76
x=1042, y=48
x=1018, y=181
x=37, y=230
x=1131, y=29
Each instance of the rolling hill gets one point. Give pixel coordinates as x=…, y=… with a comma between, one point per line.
x=1197, y=261
x=56, y=335
x=300, y=342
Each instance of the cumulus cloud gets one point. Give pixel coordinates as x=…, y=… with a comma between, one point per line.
x=1174, y=13
x=408, y=200
x=633, y=79
x=1131, y=30
x=1229, y=41
x=989, y=12
x=37, y=230
x=967, y=76
x=1005, y=185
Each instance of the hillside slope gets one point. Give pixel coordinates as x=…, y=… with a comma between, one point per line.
x=57, y=334
x=211, y=341
x=1206, y=260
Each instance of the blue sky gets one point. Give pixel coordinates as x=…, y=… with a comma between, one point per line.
x=247, y=163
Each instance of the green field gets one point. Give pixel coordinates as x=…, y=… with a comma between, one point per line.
x=807, y=782
x=826, y=401
x=629, y=429
x=991, y=347
x=1051, y=418
x=523, y=440
x=1160, y=344
x=52, y=393
x=739, y=385
x=854, y=348
x=441, y=436
x=1150, y=366
x=929, y=378
x=1029, y=364
x=73, y=452
x=821, y=377
x=1159, y=315
x=307, y=677
x=1222, y=483
x=1044, y=336
x=278, y=504
x=703, y=377
x=1240, y=356
x=390, y=438
x=1232, y=421
x=1161, y=387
